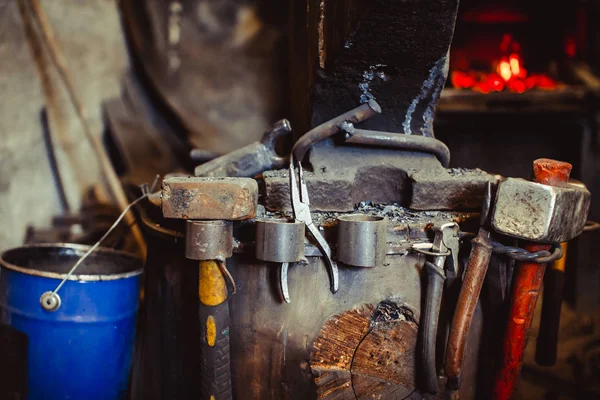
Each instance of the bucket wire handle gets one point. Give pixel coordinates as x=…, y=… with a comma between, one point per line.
x=50, y=300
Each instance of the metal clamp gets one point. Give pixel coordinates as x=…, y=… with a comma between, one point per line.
x=361, y=240
x=209, y=240
x=280, y=241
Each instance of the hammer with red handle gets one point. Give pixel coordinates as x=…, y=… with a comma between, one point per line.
x=528, y=279
x=532, y=211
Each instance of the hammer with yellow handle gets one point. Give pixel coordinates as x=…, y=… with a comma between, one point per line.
x=210, y=205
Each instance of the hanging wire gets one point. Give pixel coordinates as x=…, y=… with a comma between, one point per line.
x=51, y=300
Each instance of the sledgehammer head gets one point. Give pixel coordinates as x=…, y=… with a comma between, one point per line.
x=209, y=198
x=540, y=213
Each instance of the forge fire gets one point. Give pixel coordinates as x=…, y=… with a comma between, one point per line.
x=508, y=73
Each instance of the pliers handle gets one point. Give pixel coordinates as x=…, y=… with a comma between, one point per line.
x=301, y=208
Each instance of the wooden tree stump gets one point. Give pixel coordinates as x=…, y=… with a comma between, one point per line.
x=366, y=353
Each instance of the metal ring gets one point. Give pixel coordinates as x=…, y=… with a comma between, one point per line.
x=519, y=254
x=556, y=253
x=591, y=226
x=50, y=301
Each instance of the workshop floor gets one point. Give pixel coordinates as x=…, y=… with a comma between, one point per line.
x=576, y=374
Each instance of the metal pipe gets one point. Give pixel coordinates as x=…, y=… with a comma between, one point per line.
x=398, y=141
x=331, y=127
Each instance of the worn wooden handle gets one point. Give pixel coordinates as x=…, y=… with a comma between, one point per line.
x=214, y=318
x=479, y=261
x=527, y=285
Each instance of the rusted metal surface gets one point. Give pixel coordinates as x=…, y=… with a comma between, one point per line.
x=404, y=226
x=365, y=353
x=390, y=180
x=473, y=279
x=252, y=159
x=281, y=337
x=526, y=289
x=209, y=198
x=540, y=212
x=329, y=128
x=398, y=141
x=323, y=192
x=271, y=342
x=452, y=189
x=551, y=172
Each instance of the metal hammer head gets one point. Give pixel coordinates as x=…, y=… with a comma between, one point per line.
x=209, y=198
x=540, y=213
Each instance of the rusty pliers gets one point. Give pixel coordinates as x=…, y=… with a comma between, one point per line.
x=301, y=208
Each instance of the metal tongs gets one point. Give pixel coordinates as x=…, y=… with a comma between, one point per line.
x=301, y=208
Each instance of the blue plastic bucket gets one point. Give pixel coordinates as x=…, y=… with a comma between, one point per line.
x=83, y=350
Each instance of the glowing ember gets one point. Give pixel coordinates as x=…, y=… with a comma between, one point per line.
x=504, y=70
x=515, y=68
x=509, y=74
